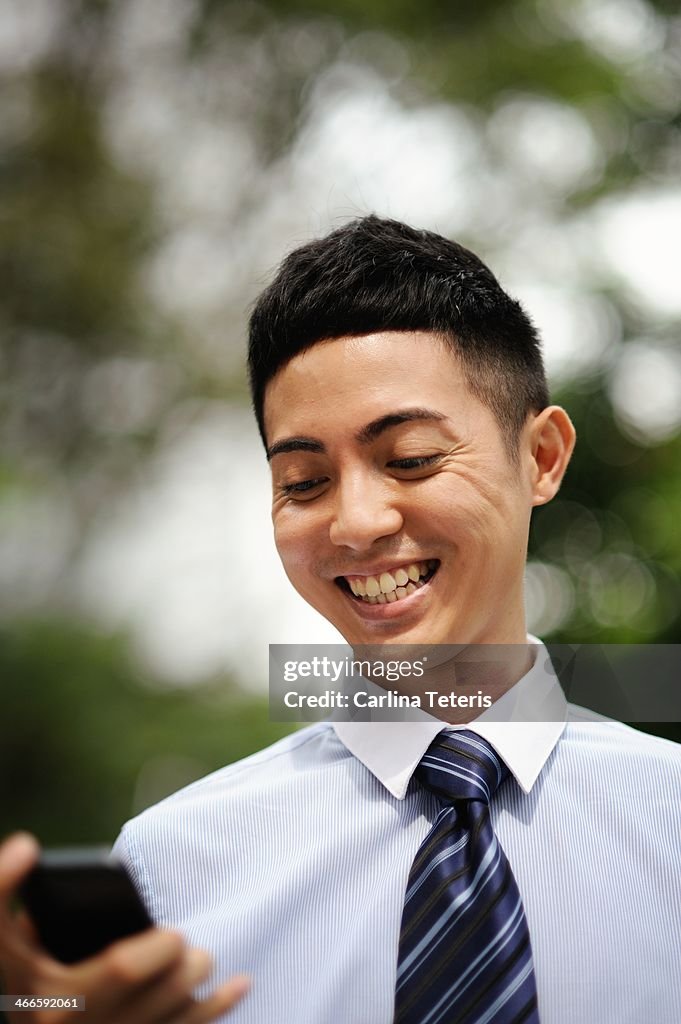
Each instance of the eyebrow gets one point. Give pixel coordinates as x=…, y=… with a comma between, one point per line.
x=393, y=419
x=365, y=435
x=294, y=444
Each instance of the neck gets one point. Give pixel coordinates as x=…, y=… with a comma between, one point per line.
x=456, y=682
x=473, y=678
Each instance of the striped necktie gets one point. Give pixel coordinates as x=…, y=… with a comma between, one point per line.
x=464, y=954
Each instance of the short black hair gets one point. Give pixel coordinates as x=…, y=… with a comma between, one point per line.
x=376, y=275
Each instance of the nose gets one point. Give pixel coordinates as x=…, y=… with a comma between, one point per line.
x=364, y=512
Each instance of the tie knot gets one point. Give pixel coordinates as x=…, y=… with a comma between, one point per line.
x=460, y=765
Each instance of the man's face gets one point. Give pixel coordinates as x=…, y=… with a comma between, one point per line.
x=398, y=513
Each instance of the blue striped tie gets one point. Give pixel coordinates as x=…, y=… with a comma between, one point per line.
x=465, y=955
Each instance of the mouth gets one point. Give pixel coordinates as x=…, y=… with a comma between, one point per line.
x=393, y=585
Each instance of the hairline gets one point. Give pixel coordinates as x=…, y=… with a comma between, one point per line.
x=510, y=438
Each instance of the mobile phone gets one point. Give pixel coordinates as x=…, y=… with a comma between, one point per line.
x=81, y=900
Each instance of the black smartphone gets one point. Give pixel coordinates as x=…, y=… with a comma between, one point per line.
x=81, y=900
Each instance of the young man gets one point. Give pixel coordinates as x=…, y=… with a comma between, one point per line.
x=514, y=870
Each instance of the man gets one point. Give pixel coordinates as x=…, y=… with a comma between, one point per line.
x=401, y=398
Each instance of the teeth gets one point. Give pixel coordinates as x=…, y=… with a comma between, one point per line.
x=392, y=586
x=387, y=583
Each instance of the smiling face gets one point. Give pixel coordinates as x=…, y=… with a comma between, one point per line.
x=398, y=513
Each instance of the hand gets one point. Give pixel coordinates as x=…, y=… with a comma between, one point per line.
x=146, y=979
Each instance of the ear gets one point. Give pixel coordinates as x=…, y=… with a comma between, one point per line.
x=552, y=439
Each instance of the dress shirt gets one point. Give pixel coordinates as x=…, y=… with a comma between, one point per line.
x=292, y=864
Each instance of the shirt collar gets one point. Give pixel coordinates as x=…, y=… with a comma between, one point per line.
x=523, y=726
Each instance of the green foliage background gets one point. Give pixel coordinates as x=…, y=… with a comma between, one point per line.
x=83, y=725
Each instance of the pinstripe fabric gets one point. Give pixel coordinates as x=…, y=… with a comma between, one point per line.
x=464, y=953
x=292, y=865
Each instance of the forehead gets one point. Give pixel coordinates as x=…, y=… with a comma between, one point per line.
x=350, y=380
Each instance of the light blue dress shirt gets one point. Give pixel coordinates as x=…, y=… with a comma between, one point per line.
x=292, y=865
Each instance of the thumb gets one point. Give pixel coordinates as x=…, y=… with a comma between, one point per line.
x=18, y=854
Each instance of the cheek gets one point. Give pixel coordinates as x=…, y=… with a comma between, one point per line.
x=285, y=543
x=295, y=543
x=457, y=511
x=472, y=514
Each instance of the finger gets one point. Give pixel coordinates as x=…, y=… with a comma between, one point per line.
x=19, y=951
x=169, y=995
x=136, y=960
x=223, y=999
x=128, y=965
x=194, y=969
x=18, y=854
x=25, y=927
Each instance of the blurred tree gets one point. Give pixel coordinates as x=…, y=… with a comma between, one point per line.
x=101, y=339
x=87, y=742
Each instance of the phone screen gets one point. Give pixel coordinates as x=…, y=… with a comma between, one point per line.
x=80, y=902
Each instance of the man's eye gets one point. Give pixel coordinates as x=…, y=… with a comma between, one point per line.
x=301, y=486
x=414, y=463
